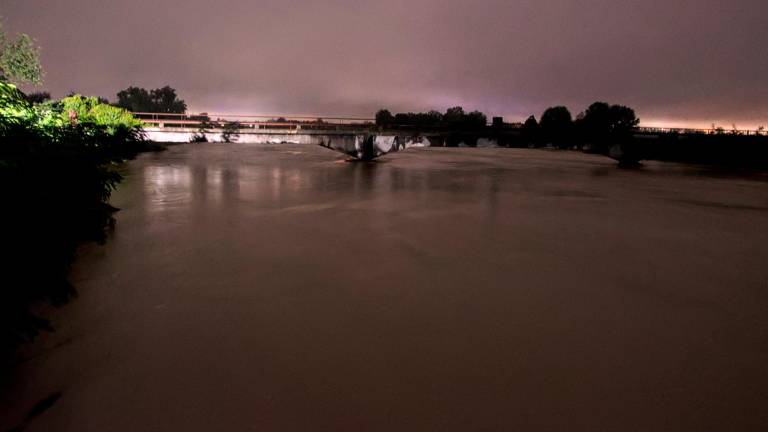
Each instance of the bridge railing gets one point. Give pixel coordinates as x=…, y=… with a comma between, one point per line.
x=705, y=131
x=213, y=121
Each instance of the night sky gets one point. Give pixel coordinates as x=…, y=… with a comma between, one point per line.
x=685, y=62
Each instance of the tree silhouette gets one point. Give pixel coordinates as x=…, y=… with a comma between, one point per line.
x=476, y=120
x=595, y=123
x=557, y=125
x=623, y=119
x=135, y=99
x=530, y=131
x=454, y=116
x=433, y=118
x=166, y=101
x=384, y=118
x=603, y=125
x=161, y=100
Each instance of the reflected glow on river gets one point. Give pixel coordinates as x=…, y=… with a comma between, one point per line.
x=279, y=287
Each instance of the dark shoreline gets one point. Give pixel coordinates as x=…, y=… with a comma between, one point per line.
x=52, y=211
x=718, y=150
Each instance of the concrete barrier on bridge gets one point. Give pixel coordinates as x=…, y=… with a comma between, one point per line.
x=358, y=144
x=178, y=135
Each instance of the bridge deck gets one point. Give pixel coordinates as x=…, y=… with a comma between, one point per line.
x=305, y=124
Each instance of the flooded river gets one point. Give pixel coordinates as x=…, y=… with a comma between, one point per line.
x=280, y=288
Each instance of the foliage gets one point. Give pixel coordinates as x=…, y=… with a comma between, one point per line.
x=205, y=121
x=429, y=119
x=384, y=118
x=205, y=127
x=454, y=116
x=38, y=97
x=556, y=126
x=14, y=108
x=16, y=112
x=161, y=100
x=55, y=179
x=89, y=110
x=623, y=119
x=135, y=99
x=167, y=101
x=475, y=119
x=454, y=119
x=198, y=137
x=530, y=131
x=19, y=59
x=602, y=124
x=230, y=132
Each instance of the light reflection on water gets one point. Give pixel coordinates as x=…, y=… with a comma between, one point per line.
x=170, y=186
x=167, y=185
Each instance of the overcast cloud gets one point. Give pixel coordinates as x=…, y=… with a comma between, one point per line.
x=680, y=61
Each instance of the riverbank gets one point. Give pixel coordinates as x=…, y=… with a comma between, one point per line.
x=58, y=168
x=55, y=200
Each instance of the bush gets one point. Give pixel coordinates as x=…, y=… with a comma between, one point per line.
x=19, y=59
x=56, y=175
x=198, y=137
x=231, y=132
x=90, y=111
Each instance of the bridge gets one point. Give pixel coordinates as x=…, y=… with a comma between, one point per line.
x=245, y=123
x=361, y=138
x=281, y=124
x=348, y=135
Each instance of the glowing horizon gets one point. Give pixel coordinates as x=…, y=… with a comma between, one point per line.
x=647, y=123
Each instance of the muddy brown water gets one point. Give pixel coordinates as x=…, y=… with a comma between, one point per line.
x=280, y=288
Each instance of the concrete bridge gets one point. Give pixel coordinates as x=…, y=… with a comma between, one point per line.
x=262, y=128
x=357, y=137
x=361, y=144
x=361, y=138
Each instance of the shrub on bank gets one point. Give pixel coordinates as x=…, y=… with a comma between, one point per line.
x=90, y=111
x=57, y=171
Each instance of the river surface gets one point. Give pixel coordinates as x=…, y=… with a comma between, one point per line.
x=281, y=288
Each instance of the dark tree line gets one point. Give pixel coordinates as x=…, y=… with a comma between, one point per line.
x=134, y=99
x=598, y=126
x=453, y=118
x=161, y=100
